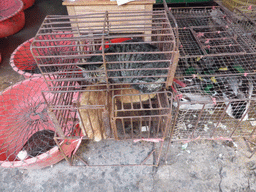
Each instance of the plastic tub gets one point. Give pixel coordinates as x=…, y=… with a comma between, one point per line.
x=28, y=3
x=12, y=25
x=23, y=112
x=23, y=62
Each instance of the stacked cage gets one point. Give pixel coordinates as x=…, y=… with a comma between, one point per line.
x=109, y=79
x=215, y=97
x=233, y=4
x=246, y=17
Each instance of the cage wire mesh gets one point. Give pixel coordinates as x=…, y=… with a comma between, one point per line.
x=215, y=77
x=27, y=133
x=110, y=78
x=246, y=17
x=211, y=31
x=233, y=4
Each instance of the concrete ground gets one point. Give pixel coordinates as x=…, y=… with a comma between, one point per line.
x=199, y=166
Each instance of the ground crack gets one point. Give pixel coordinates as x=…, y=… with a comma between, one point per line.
x=221, y=176
x=249, y=185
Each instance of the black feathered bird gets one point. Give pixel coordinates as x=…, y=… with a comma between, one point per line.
x=146, y=78
x=236, y=88
x=240, y=88
x=39, y=143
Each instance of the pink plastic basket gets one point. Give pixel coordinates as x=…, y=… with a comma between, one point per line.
x=12, y=25
x=23, y=112
x=23, y=62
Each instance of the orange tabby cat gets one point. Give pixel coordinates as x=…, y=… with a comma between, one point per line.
x=128, y=95
x=91, y=119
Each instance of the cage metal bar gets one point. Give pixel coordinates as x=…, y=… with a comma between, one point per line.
x=63, y=43
x=221, y=117
x=239, y=122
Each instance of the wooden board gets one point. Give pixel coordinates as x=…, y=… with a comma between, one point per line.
x=133, y=22
x=105, y=2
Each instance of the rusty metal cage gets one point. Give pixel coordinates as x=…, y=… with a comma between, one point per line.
x=215, y=77
x=211, y=31
x=70, y=48
x=246, y=17
x=233, y=4
x=108, y=74
x=201, y=115
x=125, y=117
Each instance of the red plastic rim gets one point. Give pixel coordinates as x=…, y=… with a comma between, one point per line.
x=56, y=44
x=9, y=8
x=23, y=111
x=22, y=60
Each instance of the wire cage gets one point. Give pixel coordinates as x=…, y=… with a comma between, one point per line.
x=111, y=76
x=204, y=113
x=215, y=77
x=126, y=118
x=27, y=133
x=211, y=31
x=84, y=57
x=233, y=4
x=246, y=17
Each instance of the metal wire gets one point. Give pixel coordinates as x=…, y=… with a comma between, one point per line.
x=109, y=94
x=65, y=43
x=210, y=31
x=61, y=49
x=26, y=130
x=215, y=77
x=246, y=17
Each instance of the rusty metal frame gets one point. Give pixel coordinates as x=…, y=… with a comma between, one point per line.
x=201, y=17
x=58, y=59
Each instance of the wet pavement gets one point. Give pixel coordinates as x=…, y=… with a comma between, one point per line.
x=199, y=166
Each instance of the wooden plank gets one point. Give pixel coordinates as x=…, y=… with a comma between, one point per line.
x=131, y=23
x=105, y=2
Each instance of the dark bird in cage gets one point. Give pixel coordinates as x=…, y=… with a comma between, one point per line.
x=39, y=143
x=239, y=88
x=144, y=79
